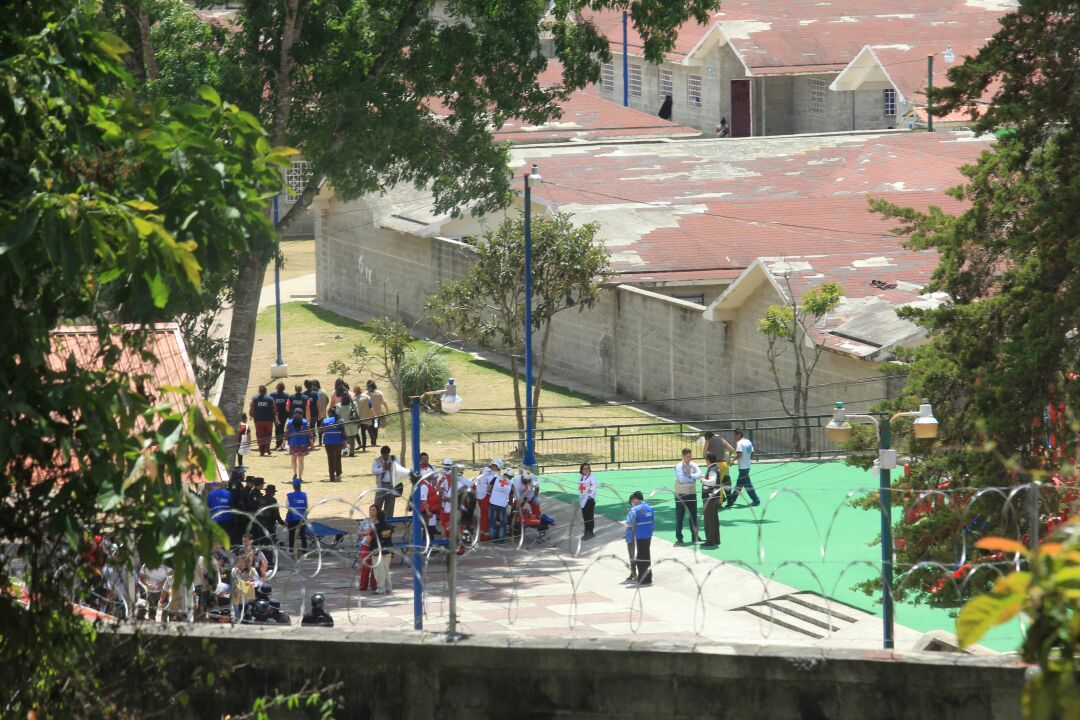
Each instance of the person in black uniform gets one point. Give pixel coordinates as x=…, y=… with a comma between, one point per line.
x=318, y=617
x=281, y=414
x=237, y=523
x=269, y=519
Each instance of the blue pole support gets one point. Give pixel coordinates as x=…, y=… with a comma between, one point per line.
x=530, y=456
x=625, y=66
x=885, y=498
x=277, y=284
x=417, y=525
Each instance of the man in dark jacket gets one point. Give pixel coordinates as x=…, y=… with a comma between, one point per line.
x=263, y=414
x=269, y=519
x=281, y=414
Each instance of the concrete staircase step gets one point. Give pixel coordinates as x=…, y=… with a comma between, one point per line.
x=804, y=612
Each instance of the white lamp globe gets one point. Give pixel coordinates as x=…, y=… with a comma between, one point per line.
x=451, y=401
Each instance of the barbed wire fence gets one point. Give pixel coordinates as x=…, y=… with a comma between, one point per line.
x=828, y=569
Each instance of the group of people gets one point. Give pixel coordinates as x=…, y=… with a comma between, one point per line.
x=310, y=417
x=496, y=504
x=230, y=586
x=717, y=492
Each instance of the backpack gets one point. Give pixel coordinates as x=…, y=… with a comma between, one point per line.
x=354, y=414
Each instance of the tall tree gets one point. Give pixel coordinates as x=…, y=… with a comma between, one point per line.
x=351, y=84
x=488, y=306
x=105, y=197
x=1002, y=358
x=788, y=328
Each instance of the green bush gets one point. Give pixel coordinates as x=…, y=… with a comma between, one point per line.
x=424, y=371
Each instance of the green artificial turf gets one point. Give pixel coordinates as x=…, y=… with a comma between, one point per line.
x=805, y=533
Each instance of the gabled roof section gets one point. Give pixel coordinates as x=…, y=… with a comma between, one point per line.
x=725, y=307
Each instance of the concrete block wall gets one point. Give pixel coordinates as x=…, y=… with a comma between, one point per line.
x=415, y=675
x=634, y=343
x=379, y=271
x=718, y=67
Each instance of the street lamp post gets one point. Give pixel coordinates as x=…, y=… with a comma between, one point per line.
x=925, y=427
x=451, y=403
x=279, y=369
x=530, y=456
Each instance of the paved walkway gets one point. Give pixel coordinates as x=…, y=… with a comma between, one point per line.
x=564, y=589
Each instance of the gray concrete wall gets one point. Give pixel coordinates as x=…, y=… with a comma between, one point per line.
x=719, y=66
x=634, y=343
x=397, y=676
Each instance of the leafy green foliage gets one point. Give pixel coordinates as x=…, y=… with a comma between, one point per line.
x=788, y=329
x=114, y=209
x=393, y=341
x=353, y=83
x=488, y=306
x=1001, y=362
x=424, y=371
x=1047, y=592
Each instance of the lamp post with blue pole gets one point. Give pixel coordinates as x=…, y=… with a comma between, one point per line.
x=278, y=369
x=925, y=428
x=625, y=64
x=529, y=460
x=451, y=403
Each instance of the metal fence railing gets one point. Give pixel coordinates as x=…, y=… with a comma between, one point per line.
x=616, y=446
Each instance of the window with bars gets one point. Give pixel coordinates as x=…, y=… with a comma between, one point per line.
x=693, y=90
x=888, y=99
x=607, y=77
x=295, y=179
x=817, y=96
x=666, y=86
x=634, y=72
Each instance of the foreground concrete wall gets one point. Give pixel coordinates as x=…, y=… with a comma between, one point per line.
x=634, y=343
x=396, y=676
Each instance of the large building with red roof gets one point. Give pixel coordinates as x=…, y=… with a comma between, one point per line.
x=777, y=67
x=704, y=235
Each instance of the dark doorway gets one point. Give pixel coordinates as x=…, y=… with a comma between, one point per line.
x=740, y=108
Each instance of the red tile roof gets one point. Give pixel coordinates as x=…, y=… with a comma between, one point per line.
x=586, y=115
x=801, y=36
x=708, y=209
x=166, y=365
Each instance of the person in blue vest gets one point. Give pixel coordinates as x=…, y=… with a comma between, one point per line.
x=639, y=526
x=219, y=500
x=297, y=502
x=333, y=437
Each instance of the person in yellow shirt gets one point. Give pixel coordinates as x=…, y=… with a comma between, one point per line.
x=715, y=486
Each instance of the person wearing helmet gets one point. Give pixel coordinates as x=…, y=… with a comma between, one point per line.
x=318, y=617
x=260, y=614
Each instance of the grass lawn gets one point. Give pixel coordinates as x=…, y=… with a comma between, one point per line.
x=299, y=260
x=804, y=510
x=313, y=336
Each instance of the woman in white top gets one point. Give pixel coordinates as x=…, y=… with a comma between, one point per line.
x=587, y=498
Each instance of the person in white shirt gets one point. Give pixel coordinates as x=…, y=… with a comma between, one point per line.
x=383, y=470
x=587, y=499
x=498, y=500
x=687, y=473
x=744, y=449
x=483, y=488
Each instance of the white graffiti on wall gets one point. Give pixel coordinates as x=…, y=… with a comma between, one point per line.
x=363, y=271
